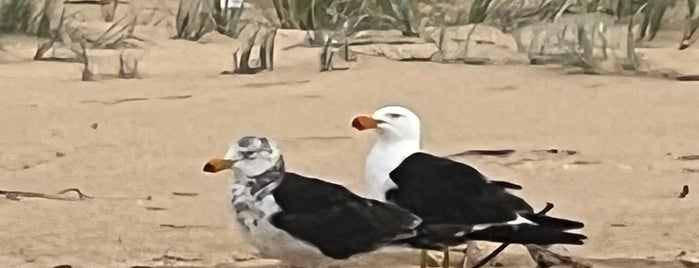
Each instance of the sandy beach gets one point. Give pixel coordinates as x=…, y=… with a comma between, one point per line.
x=137, y=146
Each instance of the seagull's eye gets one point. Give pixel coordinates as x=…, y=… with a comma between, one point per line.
x=394, y=115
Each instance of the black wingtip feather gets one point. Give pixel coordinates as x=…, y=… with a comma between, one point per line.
x=526, y=234
x=554, y=223
x=507, y=185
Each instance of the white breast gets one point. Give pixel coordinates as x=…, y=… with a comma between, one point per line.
x=252, y=218
x=384, y=158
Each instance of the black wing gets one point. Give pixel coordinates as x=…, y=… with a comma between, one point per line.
x=336, y=221
x=443, y=191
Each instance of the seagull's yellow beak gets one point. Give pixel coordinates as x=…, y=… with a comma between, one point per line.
x=215, y=165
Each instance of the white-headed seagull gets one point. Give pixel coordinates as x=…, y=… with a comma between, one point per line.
x=443, y=191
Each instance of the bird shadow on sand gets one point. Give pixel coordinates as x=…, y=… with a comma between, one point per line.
x=512, y=158
x=578, y=263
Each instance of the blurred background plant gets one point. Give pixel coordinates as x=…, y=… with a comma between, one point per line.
x=197, y=17
x=24, y=16
x=588, y=31
x=13, y=14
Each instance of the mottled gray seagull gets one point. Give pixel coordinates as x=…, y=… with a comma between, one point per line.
x=443, y=191
x=309, y=222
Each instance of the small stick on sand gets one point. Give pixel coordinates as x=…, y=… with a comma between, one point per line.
x=688, y=157
x=685, y=191
x=498, y=153
x=16, y=195
x=687, y=78
x=166, y=258
x=184, y=194
x=186, y=226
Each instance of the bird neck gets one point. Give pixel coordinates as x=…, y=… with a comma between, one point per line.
x=384, y=157
x=262, y=183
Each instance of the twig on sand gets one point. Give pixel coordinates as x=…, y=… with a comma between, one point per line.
x=112, y=102
x=186, y=226
x=175, y=97
x=499, y=153
x=685, y=191
x=272, y=84
x=184, y=194
x=166, y=258
x=17, y=195
x=688, y=157
x=693, y=77
x=502, y=247
x=117, y=101
x=557, y=151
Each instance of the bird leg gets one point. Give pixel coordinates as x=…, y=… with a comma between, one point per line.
x=502, y=247
x=423, y=258
x=490, y=256
x=445, y=260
